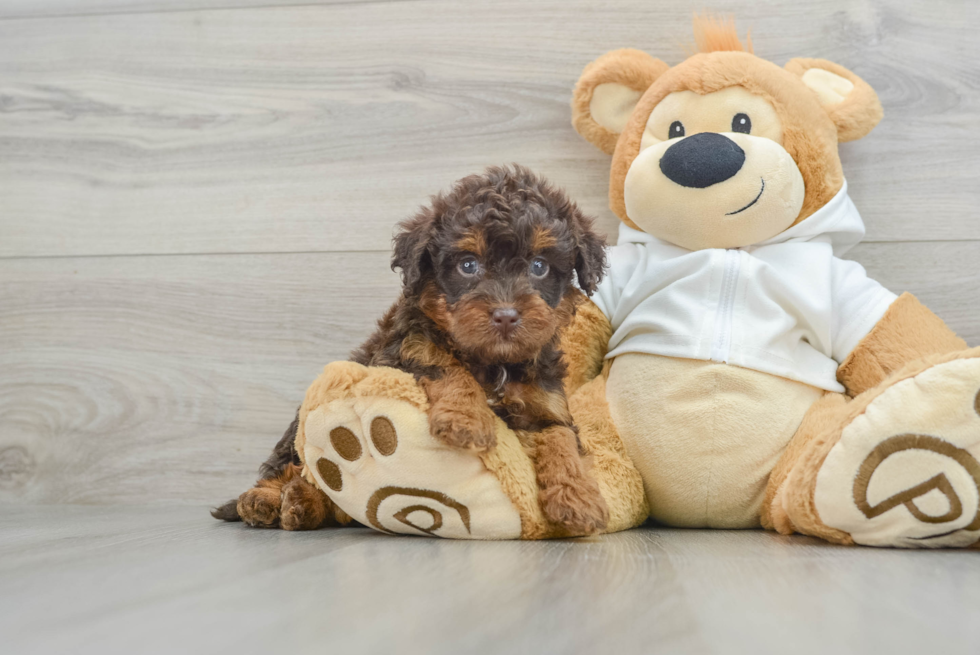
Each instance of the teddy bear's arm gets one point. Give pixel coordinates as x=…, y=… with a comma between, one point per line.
x=907, y=331
x=584, y=343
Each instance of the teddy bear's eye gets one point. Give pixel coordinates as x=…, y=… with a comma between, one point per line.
x=742, y=123
x=676, y=130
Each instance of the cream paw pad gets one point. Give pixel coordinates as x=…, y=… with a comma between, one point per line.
x=905, y=472
x=374, y=457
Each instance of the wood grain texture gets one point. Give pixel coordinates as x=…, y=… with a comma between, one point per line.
x=168, y=379
x=314, y=128
x=14, y=9
x=163, y=580
x=162, y=379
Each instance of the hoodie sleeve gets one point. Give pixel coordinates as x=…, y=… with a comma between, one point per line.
x=623, y=261
x=858, y=304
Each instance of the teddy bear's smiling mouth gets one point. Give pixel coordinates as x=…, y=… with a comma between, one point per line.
x=738, y=211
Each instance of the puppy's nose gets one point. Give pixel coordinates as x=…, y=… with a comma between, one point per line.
x=506, y=319
x=701, y=160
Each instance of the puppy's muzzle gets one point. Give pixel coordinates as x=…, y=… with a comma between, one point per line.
x=505, y=320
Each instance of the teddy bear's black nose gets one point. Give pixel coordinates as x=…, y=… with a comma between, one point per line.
x=702, y=159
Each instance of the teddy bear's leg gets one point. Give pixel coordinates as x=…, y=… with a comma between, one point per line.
x=619, y=480
x=898, y=464
x=364, y=439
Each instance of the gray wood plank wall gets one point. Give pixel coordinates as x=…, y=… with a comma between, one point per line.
x=197, y=196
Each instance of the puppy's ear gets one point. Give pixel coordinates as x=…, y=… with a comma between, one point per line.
x=411, y=248
x=590, y=255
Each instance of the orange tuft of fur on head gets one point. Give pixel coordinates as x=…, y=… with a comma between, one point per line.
x=717, y=34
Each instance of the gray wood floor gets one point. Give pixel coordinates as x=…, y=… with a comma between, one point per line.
x=168, y=580
x=196, y=203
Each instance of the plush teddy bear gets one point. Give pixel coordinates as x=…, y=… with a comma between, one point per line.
x=733, y=371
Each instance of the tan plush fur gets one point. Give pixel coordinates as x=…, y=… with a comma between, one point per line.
x=584, y=343
x=906, y=332
x=858, y=113
x=820, y=415
x=718, y=34
x=633, y=69
x=513, y=468
x=704, y=435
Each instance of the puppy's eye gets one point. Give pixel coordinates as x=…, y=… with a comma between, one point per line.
x=676, y=130
x=468, y=267
x=539, y=267
x=742, y=123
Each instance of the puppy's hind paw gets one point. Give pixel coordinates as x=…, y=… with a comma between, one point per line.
x=304, y=507
x=259, y=507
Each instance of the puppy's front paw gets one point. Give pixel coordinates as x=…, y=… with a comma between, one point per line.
x=576, y=504
x=259, y=507
x=304, y=507
x=469, y=430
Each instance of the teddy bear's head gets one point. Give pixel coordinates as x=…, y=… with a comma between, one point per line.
x=725, y=149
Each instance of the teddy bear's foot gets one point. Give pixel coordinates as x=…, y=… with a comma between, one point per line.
x=901, y=466
x=376, y=459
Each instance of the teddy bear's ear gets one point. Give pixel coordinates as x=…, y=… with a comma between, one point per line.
x=849, y=101
x=607, y=92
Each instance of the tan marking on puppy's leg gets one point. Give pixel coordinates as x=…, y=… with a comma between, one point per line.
x=304, y=507
x=458, y=414
x=569, y=495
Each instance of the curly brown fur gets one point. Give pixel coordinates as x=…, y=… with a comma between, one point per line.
x=487, y=272
x=285, y=500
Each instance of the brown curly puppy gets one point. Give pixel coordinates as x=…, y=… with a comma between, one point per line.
x=488, y=273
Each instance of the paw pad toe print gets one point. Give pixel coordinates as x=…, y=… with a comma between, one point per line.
x=376, y=459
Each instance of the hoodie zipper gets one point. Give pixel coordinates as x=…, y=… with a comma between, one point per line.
x=721, y=346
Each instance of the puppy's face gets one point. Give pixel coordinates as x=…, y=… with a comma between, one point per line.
x=493, y=263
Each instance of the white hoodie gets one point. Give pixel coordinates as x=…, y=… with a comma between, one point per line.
x=787, y=306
